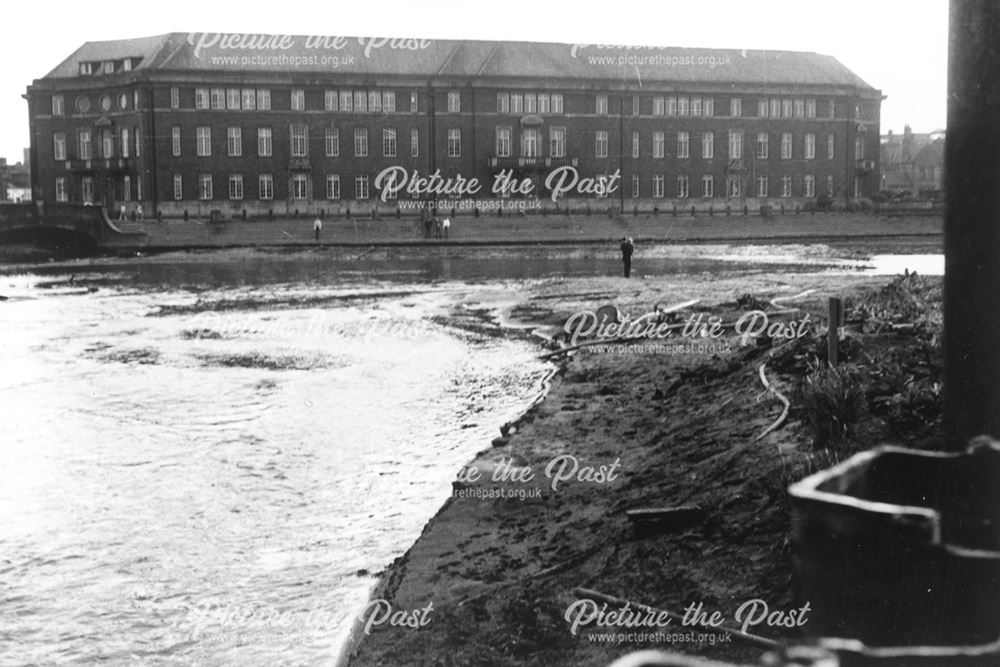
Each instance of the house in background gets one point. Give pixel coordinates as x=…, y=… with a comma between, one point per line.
x=913, y=163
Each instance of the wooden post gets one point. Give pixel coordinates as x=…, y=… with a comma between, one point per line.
x=972, y=224
x=833, y=331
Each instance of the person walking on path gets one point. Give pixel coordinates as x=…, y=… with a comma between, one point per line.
x=122, y=215
x=628, y=247
x=138, y=212
x=445, y=226
x=317, y=227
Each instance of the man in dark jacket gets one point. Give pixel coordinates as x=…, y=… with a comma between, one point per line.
x=628, y=247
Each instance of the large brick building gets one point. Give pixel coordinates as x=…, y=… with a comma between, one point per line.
x=280, y=123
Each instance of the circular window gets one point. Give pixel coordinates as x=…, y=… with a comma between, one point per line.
x=83, y=104
x=105, y=102
x=123, y=101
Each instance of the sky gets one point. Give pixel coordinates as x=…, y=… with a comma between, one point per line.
x=897, y=46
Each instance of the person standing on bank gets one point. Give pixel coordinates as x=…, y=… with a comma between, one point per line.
x=628, y=247
x=317, y=227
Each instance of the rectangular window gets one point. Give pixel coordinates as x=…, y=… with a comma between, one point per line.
x=762, y=145
x=249, y=102
x=800, y=108
x=734, y=186
x=735, y=144
x=361, y=187
x=786, y=108
x=775, y=108
x=810, y=147
x=333, y=186
x=389, y=142
x=414, y=102
x=360, y=101
x=201, y=98
x=557, y=103
x=762, y=108
x=695, y=106
x=833, y=109
x=529, y=142
x=233, y=98
x=330, y=101
x=735, y=107
x=454, y=102
x=84, y=146
x=709, y=107
x=557, y=142
x=414, y=142
x=59, y=105
x=601, y=105
x=126, y=143
x=264, y=99
x=178, y=187
x=683, y=145
x=601, y=144
x=454, y=142
x=236, y=186
x=829, y=146
x=107, y=144
x=204, y=140
x=708, y=145
x=503, y=103
x=218, y=98
x=516, y=103
x=300, y=186
x=786, y=186
x=544, y=103
x=265, y=186
x=659, y=106
x=59, y=146
x=683, y=106
x=786, y=146
x=635, y=144
x=61, y=194
x=264, y=141
x=660, y=145
x=346, y=101
x=87, y=189
x=635, y=105
x=331, y=140
x=138, y=143
x=658, y=186
x=635, y=186
x=707, y=186
x=829, y=186
x=810, y=108
x=205, y=187
x=374, y=101
x=683, y=186
x=360, y=142
x=300, y=140
x=810, y=183
x=859, y=148
x=175, y=97
x=762, y=187
x=389, y=101
x=298, y=99
x=109, y=67
x=234, y=141
x=530, y=103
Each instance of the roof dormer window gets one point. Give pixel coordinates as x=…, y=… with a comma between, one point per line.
x=127, y=65
x=109, y=67
x=86, y=68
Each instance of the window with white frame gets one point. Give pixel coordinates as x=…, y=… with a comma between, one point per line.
x=530, y=103
x=557, y=103
x=249, y=102
x=236, y=186
x=635, y=186
x=601, y=144
x=331, y=139
x=683, y=145
x=178, y=187
x=454, y=142
x=786, y=146
x=126, y=188
x=786, y=108
x=735, y=107
x=735, y=144
x=658, y=186
x=175, y=97
x=734, y=186
x=601, y=106
x=762, y=187
x=234, y=141
x=389, y=101
x=829, y=146
x=59, y=146
x=61, y=193
x=708, y=107
x=360, y=142
x=59, y=105
x=374, y=101
x=265, y=186
x=138, y=143
x=126, y=142
x=671, y=106
x=201, y=98
x=360, y=101
x=300, y=186
x=205, y=187
x=333, y=186
x=414, y=142
x=659, y=105
x=233, y=98
x=298, y=99
x=859, y=147
x=203, y=136
x=635, y=144
x=775, y=107
x=810, y=184
x=810, y=146
x=331, y=100
x=800, y=108
x=557, y=142
x=635, y=105
x=300, y=140
x=517, y=103
x=683, y=106
x=708, y=145
x=454, y=101
x=544, y=103
x=660, y=145
x=695, y=106
x=529, y=142
x=388, y=142
x=84, y=145
x=829, y=186
x=762, y=145
x=107, y=144
x=264, y=142
x=264, y=99
x=218, y=98
x=786, y=186
x=762, y=108
x=361, y=187
x=414, y=102
x=346, y=101
x=810, y=108
x=87, y=189
x=707, y=186
x=832, y=111
x=683, y=186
